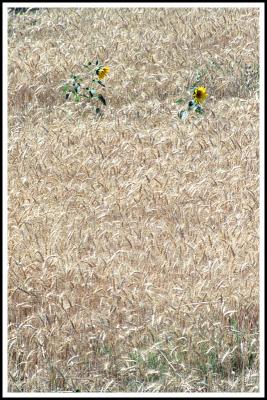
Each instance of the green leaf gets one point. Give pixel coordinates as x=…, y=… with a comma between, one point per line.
x=65, y=87
x=183, y=114
x=199, y=109
x=179, y=101
x=77, y=98
x=191, y=105
x=76, y=87
x=75, y=77
x=92, y=92
x=100, y=83
x=101, y=98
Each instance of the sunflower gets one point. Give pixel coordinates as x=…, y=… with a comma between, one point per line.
x=103, y=72
x=200, y=94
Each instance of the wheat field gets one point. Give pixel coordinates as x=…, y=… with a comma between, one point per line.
x=133, y=237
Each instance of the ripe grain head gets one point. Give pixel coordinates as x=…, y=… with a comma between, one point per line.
x=133, y=238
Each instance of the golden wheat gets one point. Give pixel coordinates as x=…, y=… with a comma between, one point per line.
x=133, y=238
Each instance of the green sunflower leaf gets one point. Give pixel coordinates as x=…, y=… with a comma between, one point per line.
x=102, y=99
x=100, y=83
x=183, y=114
x=179, y=101
x=92, y=92
x=65, y=87
x=199, y=109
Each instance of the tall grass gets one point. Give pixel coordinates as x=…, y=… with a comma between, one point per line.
x=134, y=237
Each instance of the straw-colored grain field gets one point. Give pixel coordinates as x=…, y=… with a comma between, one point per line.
x=133, y=243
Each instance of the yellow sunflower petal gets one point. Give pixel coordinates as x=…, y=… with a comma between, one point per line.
x=103, y=72
x=200, y=94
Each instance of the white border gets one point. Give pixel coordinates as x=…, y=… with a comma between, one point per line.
x=137, y=4
x=4, y=211
x=262, y=205
x=261, y=6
